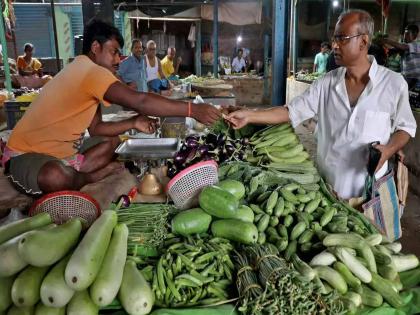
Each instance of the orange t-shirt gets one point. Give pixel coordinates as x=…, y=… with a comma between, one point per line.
x=55, y=122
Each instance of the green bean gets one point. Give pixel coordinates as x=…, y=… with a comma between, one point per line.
x=173, y=289
x=186, y=261
x=191, y=278
x=160, y=275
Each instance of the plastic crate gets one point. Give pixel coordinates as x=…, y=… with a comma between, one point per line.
x=14, y=111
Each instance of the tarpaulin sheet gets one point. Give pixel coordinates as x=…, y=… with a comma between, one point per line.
x=235, y=13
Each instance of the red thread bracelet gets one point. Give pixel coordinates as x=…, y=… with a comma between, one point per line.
x=189, y=109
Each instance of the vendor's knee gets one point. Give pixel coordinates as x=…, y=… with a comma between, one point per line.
x=55, y=176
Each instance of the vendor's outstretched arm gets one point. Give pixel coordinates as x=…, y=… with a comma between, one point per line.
x=155, y=105
x=271, y=116
x=393, y=43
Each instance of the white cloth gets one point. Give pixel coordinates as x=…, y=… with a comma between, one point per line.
x=238, y=64
x=152, y=72
x=343, y=135
x=235, y=13
x=191, y=36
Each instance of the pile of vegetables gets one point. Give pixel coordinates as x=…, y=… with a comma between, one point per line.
x=193, y=271
x=217, y=147
x=305, y=76
x=53, y=269
x=267, y=284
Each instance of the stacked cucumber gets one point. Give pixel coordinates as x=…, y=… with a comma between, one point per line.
x=46, y=268
x=278, y=147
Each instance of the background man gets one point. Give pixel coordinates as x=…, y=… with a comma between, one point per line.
x=320, y=62
x=238, y=63
x=156, y=80
x=168, y=68
x=132, y=70
x=356, y=104
x=411, y=57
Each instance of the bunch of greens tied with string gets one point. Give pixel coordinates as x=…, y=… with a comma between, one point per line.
x=267, y=284
x=147, y=225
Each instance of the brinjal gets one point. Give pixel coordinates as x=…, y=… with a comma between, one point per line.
x=211, y=139
x=229, y=149
x=191, y=143
x=192, y=137
x=203, y=149
x=191, y=155
x=221, y=139
x=181, y=157
x=172, y=171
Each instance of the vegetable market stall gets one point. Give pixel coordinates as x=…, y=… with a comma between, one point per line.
x=267, y=238
x=248, y=89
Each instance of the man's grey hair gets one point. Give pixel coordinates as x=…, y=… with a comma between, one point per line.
x=150, y=43
x=366, y=23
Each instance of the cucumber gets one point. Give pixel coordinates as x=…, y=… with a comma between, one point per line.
x=235, y=230
x=54, y=290
x=26, y=287
x=381, y=286
x=312, y=205
x=16, y=228
x=193, y=221
x=14, y=310
x=345, y=272
x=306, y=236
x=108, y=281
x=86, y=260
x=297, y=230
x=290, y=250
x=135, y=294
x=289, y=196
x=332, y=277
x=263, y=223
x=304, y=269
x=11, y=262
x=234, y=187
x=218, y=202
x=5, y=289
x=261, y=238
x=245, y=214
x=274, y=221
x=82, y=304
x=370, y=297
x=279, y=208
x=41, y=309
x=38, y=249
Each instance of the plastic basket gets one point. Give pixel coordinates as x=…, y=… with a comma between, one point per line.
x=14, y=111
x=67, y=204
x=186, y=186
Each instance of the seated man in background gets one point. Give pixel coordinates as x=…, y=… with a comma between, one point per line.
x=238, y=63
x=30, y=70
x=132, y=70
x=168, y=68
x=156, y=80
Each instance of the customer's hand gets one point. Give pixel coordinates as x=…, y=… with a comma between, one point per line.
x=205, y=113
x=145, y=124
x=239, y=118
x=386, y=154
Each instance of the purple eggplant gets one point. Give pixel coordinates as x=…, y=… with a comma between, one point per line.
x=211, y=139
x=125, y=201
x=191, y=143
x=192, y=137
x=172, y=171
x=203, y=149
x=191, y=155
x=181, y=157
x=221, y=139
x=230, y=149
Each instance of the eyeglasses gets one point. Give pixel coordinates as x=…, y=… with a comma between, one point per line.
x=341, y=39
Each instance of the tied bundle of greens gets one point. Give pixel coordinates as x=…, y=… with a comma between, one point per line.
x=147, y=225
x=279, y=289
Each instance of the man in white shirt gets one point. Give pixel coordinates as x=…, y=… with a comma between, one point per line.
x=238, y=63
x=356, y=104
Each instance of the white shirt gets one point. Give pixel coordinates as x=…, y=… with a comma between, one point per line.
x=344, y=134
x=152, y=72
x=238, y=64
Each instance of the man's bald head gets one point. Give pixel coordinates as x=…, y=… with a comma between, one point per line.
x=171, y=53
x=362, y=18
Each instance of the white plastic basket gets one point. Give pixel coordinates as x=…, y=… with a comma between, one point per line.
x=186, y=186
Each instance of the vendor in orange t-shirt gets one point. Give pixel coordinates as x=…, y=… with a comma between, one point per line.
x=43, y=153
